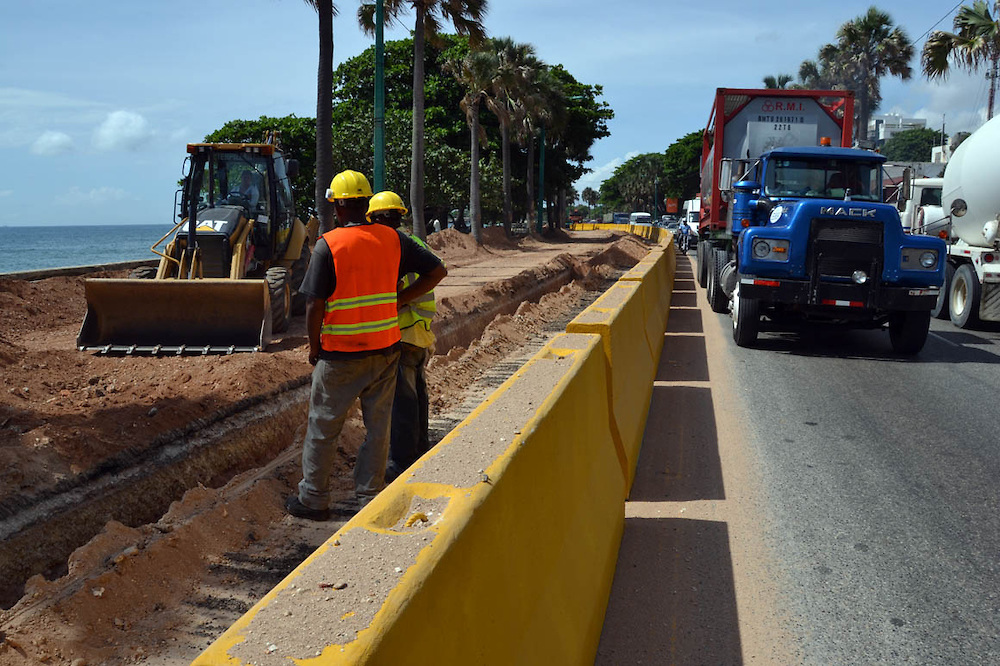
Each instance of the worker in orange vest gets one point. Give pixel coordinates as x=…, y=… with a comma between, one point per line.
x=351, y=316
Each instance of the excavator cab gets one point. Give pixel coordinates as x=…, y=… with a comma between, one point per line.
x=229, y=271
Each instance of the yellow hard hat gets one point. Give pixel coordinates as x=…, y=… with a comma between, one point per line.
x=348, y=185
x=385, y=201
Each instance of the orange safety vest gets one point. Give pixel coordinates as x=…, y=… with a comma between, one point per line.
x=360, y=315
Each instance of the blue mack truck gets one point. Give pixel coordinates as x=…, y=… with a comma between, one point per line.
x=811, y=241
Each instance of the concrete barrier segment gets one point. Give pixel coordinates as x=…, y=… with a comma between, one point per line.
x=618, y=316
x=500, y=562
x=655, y=275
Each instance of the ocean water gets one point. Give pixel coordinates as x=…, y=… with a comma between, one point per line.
x=36, y=248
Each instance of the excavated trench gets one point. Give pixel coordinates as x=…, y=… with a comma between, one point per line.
x=137, y=488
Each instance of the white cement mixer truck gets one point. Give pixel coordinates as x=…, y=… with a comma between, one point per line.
x=969, y=221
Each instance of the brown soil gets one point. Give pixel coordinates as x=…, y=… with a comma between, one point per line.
x=158, y=592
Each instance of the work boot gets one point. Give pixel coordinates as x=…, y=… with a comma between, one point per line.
x=296, y=508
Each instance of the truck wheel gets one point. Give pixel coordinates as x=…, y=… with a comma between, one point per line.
x=716, y=296
x=298, y=273
x=702, y=263
x=280, y=289
x=964, y=297
x=941, y=307
x=908, y=330
x=143, y=273
x=746, y=319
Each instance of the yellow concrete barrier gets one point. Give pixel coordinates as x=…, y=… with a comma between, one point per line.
x=655, y=275
x=618, y=316
x=524, y=508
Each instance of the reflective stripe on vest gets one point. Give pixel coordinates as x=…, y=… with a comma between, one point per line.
x=420, y=311
x=360, y=315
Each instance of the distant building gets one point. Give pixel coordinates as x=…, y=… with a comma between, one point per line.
x=882, y=128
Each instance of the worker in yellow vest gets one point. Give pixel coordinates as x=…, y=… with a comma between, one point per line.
x=410, y=409
x=354, y=341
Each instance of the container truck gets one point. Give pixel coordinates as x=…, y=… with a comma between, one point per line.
x=793, y=228
x=968, y=222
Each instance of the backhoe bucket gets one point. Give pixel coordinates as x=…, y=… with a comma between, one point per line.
x=175, y=316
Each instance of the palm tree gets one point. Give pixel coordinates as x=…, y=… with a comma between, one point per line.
x=975, y=42
x=869, y=47
x=324, y=112
x=516, y=65
x=467, y=18
x=475, y=72
x=778, y=82
x=590, y=197
x=541, y=104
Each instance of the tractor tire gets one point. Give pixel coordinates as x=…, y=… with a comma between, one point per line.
x=298, y=274
x=280, y=288
x=143, y=273
x=701, y=263
x=963, y=297
x=941, y=308
x=908, y=330
x=716, y=296
x=746, y=319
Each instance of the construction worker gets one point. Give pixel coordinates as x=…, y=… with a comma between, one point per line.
x=410, y=410
x=351, y=284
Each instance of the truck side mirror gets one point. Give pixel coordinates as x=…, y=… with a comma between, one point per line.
x=292, y=168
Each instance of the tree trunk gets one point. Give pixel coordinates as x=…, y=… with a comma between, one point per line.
x=475, y=208
x=324, y=117
x=561, y=214
x=417, y=163
x=505, y=151
x=993, y=87
x=530, y=181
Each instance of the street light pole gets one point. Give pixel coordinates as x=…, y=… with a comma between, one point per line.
x=541, y=180
x=379, y=167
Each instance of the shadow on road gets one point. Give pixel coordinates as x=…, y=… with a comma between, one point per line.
x=673, y=598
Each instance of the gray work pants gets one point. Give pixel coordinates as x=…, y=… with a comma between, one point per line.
x=335, y=387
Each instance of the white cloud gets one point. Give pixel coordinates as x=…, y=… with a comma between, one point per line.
x=6, y=193
x=75, y=196
x=122, y=130
x=52, y=143
x=600, y=174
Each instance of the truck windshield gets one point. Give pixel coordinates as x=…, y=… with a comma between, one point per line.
x=823, y=179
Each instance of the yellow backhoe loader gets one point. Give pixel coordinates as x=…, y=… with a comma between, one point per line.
x=229, y=272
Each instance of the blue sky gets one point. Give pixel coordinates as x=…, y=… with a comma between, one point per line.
x=98, y=100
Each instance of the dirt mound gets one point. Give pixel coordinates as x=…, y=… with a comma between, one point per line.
x=452, y=243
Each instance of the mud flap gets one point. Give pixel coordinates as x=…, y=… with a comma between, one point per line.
x=176, y=316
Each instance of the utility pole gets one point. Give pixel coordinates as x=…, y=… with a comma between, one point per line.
x=379, y=168
x=541, y=179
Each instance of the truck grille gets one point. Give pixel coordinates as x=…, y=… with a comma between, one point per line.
x=837, y=248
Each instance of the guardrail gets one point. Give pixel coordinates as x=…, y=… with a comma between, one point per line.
x=499, y=545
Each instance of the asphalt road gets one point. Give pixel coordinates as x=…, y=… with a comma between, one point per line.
x=881, y=482
x=815, y=500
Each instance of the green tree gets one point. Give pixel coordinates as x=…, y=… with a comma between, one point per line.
x=466, y=16
x=778, y=82
x=446, y=137
x=515, y=67
x=474, y=71
x=912, y=145
x=868, y=48
x=974, y=43
x=324, y=130
x=297, y=139
x=682, y=167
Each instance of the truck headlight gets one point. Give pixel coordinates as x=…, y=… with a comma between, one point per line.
x=770, y=249
x=928, y=259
